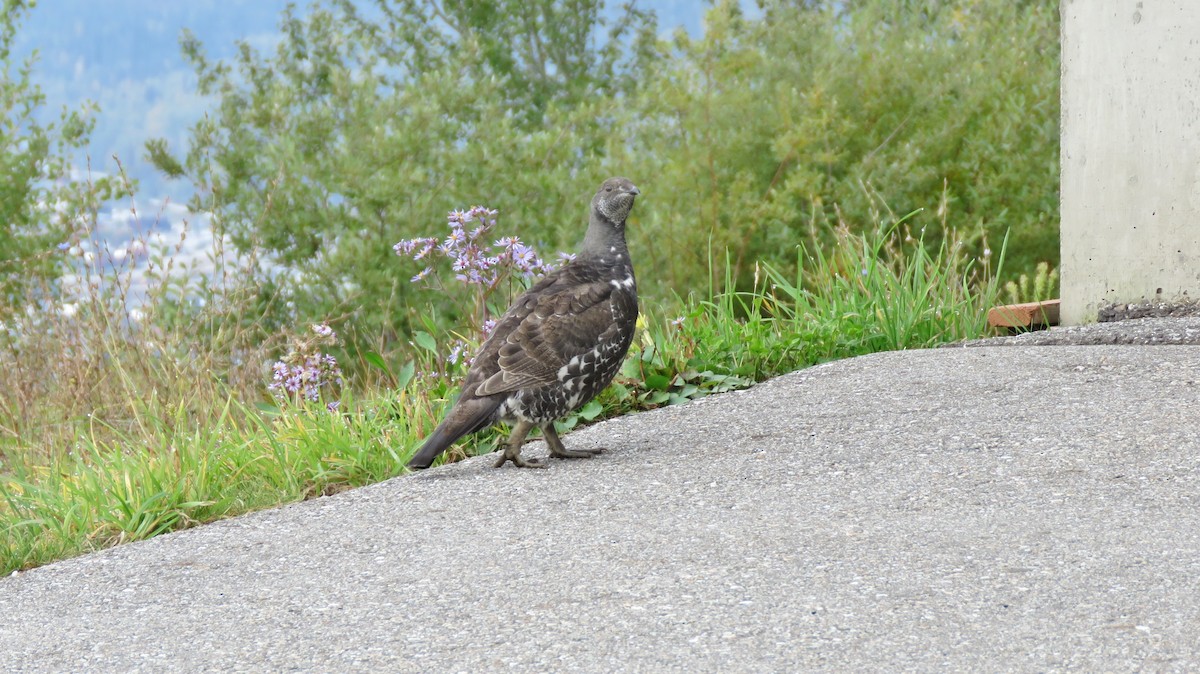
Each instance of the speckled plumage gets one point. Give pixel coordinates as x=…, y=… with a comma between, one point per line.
x=557, y=346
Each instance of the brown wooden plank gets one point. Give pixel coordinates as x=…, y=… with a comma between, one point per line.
x=1028, y=314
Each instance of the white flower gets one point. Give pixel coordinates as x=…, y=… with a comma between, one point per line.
x=75, y=251
x=136, y=315
x=89, y=257
x=69, y=309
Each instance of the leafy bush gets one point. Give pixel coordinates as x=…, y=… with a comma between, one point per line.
x=762, y=133
x=40, y=204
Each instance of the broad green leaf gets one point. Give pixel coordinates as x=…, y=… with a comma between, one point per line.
x=659, y=382
x=405, y=376
x=425, y=341
x=591, y=410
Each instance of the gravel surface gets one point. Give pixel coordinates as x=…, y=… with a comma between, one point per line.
x=1148, y=309
x=982, y=509
x=1147, y=331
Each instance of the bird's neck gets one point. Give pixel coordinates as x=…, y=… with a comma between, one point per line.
x=604, y=238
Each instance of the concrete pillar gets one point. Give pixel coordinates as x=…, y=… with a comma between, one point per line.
x=1130, y=153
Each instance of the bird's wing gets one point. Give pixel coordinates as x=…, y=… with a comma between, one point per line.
x=553, y=328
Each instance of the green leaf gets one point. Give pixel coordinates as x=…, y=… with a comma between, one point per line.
x=658, y=397
x=375, y=360
x=406, y=375
x=658, y=382
x=591, y=410
x=425, y=341
x=631, y=368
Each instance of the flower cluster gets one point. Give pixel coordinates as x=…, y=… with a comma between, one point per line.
x=472, y=259
x=305, y=371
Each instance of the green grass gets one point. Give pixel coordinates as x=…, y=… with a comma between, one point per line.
x=183, y=446
x=130, y=487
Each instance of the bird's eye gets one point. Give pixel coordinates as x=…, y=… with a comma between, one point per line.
x=607, y=189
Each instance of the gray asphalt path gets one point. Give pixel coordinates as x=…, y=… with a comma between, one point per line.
x=984, y=509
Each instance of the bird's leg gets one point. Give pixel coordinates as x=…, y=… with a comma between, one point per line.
x=558, y=451
x=513, y=451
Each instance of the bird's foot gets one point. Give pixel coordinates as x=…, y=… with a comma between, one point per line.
x=564, y=453
x=519, y=462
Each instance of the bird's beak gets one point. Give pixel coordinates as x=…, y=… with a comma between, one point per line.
x=634, y=191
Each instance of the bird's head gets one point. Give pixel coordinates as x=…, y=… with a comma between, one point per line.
x=614, y=199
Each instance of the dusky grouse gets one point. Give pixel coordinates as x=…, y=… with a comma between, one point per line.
x=558, y=345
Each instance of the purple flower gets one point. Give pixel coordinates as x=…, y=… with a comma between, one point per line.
x=421, y=275
x=302, y=373
x=456, y=238
x=485, y=215
x=488, y=326
x=333, y=405
x=523, y=257
x=566, y=257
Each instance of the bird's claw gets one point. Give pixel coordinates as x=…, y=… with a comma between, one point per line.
x=518, y=461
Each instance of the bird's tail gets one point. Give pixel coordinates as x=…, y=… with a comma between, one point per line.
x=466, y=417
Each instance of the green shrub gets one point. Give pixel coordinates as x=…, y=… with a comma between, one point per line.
x=756, y=136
